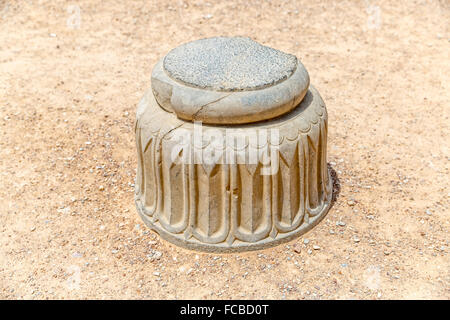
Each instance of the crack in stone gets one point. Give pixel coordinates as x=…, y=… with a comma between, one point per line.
x=171, y=130
x=205, y=105
x=160, y=142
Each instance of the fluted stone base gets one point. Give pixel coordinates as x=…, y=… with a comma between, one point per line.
x=226, y=207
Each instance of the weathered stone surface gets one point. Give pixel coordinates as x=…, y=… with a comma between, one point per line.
x=228, y=64
x=229, y=203
x=265, y=82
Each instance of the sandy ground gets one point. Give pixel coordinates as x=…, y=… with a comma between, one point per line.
x=68, y=95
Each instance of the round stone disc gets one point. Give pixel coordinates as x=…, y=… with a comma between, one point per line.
x=228, y=81
x=229, y=64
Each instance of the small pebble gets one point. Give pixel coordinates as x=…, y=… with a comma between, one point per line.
x=157, y=255
x=77, y=255
x=297, y=248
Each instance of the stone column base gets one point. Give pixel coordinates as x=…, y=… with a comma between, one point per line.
x=228, y=207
